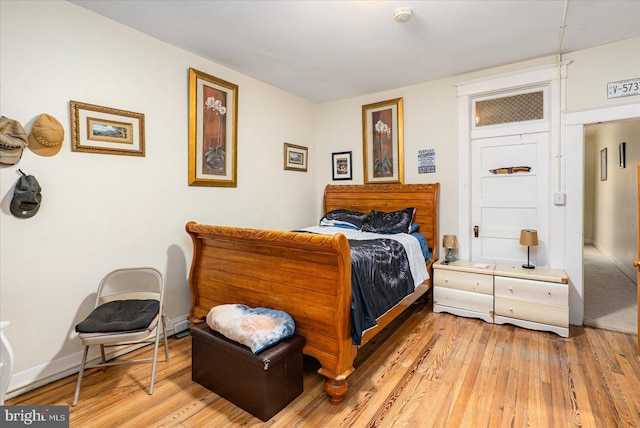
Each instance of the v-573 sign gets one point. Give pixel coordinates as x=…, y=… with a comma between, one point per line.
x=623, y=88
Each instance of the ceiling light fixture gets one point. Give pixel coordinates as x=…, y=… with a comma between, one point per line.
x=402, y=14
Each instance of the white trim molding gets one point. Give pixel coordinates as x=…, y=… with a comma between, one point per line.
x=574, y=230
x=550, y=76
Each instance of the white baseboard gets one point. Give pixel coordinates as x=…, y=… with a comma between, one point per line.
x=180, y=324
x=52, y=371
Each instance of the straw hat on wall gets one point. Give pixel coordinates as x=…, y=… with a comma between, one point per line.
x=46, y=136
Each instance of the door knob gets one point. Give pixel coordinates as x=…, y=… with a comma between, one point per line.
x=636, y=263
x=475, y=231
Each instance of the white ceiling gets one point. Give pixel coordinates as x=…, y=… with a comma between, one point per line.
x=329, y=50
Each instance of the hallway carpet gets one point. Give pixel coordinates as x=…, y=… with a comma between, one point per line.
x=610, y=300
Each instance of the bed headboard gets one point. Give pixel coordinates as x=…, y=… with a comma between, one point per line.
x=391, y=197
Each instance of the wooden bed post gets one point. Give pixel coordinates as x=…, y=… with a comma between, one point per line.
x=336, y=389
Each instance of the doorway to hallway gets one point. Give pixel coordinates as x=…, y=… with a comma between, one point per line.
x=610, y=225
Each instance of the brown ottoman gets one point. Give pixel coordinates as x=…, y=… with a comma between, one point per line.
x=262, y=384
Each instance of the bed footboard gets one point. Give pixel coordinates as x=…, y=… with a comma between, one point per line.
x=305, y=275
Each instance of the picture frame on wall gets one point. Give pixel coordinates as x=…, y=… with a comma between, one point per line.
x=603, y=164
x=622, y=153
x=295, y=157
x=383, y=142
x=341, y=166
x=213, y=131
x=106, y=130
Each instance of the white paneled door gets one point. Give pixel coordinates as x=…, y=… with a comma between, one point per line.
x=510, y=198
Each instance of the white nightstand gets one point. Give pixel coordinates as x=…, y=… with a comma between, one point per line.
x=464, y=288
x=537, y=298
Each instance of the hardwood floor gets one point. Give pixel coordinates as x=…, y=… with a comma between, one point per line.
x=423, y=370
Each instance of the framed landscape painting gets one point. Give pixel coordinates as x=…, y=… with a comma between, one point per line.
x=97, y=129
x=213, y=131
x=295, y=157
x=383, y=136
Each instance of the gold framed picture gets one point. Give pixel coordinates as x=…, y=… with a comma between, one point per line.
x=383, y=142
x=97, y=129
x=213, y=131
x=295, y=157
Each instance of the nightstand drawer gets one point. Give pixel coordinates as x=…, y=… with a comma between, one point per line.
x=532, y=311
x=466, y=281
x=532, y=291
x=463, y=299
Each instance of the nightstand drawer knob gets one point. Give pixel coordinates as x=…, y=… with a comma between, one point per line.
x=510, y=288
x=510, y=309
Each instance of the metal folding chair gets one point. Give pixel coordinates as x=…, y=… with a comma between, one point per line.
x=129, y=310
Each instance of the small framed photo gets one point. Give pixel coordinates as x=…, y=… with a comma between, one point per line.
x=341, y=165
x=603, y=164
x=97, y=129
x=622, y=149
x=213, y=131
x=295, y=157
x=383, y=137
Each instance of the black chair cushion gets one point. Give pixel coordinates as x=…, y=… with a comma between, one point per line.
x=120, y=315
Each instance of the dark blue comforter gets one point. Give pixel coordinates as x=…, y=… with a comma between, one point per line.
x=380, y=278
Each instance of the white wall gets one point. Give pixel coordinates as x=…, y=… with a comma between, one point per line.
x=430, y=122
x=591, y=70
x=101, y=212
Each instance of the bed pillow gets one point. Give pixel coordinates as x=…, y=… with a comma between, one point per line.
x=344, y=218
x=393, y=222
x=257, y=328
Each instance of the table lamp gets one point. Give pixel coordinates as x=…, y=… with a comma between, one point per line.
x=450, y=242
x=529, y=238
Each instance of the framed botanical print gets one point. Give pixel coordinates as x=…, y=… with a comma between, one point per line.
x=213, y=131
x=383, y=137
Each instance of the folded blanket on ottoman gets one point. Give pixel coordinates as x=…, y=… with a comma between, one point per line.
x=257, y=328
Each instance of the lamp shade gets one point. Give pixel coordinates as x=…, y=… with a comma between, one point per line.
x=529, y=237
x=450, y=242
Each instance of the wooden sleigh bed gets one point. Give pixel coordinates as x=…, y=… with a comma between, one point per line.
x=306, y=275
